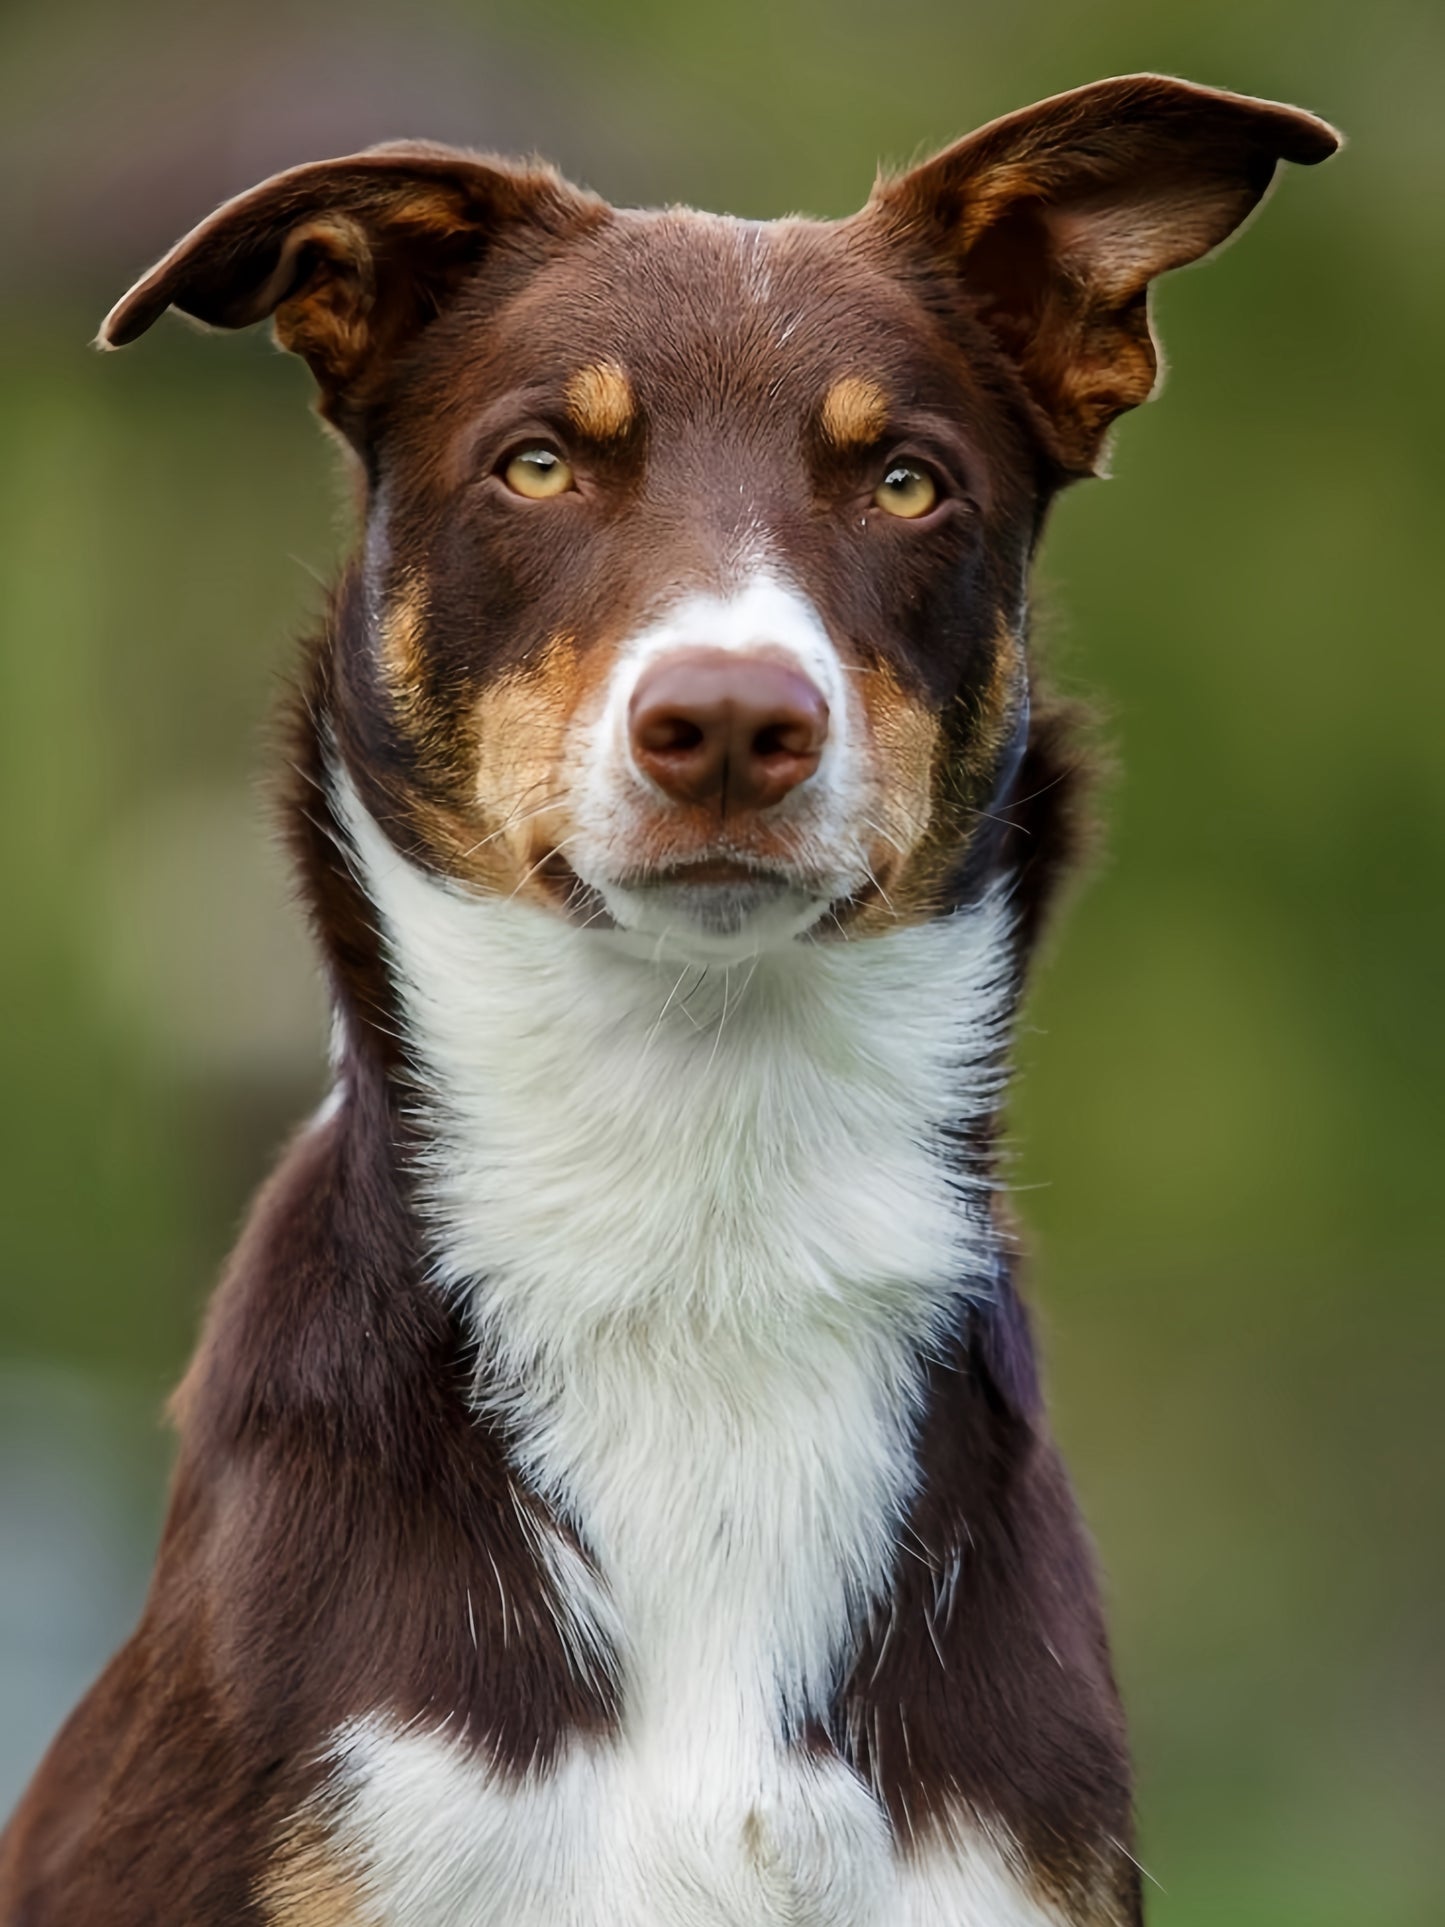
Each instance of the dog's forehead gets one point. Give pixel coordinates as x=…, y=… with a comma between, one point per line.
x=698, y=311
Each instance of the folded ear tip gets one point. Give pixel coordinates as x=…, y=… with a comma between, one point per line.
x=138, y=308
x=1298, y=135
x=1315, y=140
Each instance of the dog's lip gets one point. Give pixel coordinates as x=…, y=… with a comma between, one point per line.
x=721, y=873
x=714, y=869
x=719, y=868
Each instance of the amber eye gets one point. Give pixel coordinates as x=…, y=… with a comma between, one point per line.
x=906, y=490
x=538, y=473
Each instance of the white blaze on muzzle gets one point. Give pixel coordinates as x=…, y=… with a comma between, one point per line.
x=622, y=816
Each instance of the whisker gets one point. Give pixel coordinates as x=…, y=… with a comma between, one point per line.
x=531, y=871
x=888, y=838
x=309, y=568
x=1138, y=1863
x=646, y=1043
x=1017, y=802
x=887, y=900
x=717, y=1038
x=513, y=821
x=702, y=979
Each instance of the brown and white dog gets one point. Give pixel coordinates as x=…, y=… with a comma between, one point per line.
x=612, y=1483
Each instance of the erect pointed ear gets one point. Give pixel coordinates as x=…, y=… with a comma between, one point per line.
x=351, y=256
x=1059, y=217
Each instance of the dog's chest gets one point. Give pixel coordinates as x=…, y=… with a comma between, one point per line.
x=704, y=1225
x=705, y=1809
x=735, y=1538
x=740, y=1520
x=723, y=1579
x=712, y=1829
x=672, y=1822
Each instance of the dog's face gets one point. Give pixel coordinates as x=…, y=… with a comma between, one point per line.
x=697, y=565
x=692, y=596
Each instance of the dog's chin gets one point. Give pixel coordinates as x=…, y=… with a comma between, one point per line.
x=714, y=919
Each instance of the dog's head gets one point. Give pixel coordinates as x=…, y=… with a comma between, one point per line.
x=693, y=587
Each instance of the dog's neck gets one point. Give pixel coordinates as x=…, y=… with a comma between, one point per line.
x=616, y=1140
x=707, y=1227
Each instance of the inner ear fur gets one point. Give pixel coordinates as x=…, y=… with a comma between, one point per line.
x=1057, y=218
x=351, y=257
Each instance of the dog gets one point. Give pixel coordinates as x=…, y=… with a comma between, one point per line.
x=612, y=1482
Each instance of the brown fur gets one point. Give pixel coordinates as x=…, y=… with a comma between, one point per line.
x=343, y=1525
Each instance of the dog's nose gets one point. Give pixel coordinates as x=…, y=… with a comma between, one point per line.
x=711, y=724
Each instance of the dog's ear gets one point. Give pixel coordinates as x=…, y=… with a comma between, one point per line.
x=351, y=256
x=1058, y=218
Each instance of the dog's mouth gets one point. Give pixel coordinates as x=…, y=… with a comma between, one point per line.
x=715, y=903
x=720, y=872
x=718, y=907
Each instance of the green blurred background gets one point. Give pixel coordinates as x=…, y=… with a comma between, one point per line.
x=1226, y=1124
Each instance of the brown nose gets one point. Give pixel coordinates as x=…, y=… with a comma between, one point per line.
x=710, y=724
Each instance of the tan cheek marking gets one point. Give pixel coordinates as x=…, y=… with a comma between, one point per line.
x=906, y=734
x=444, y=753
x=307, y=1886
x=506, y=762
x=928, y=795
x=523, y=722
x=403, y=655
x=855, y=412
x=601, y=402
x=994, y=719
x=905, y=746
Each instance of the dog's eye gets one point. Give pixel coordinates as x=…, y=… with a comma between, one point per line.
x=906, y=490
x=537, y=473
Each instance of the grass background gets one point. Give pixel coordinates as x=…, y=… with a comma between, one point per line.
x=1227, y=1120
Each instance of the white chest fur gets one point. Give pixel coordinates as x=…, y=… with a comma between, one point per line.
x=702, y=1224
x=625, y=1836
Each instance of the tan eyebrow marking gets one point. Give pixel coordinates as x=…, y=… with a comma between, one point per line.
x=600, y=400
x=855, y=412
